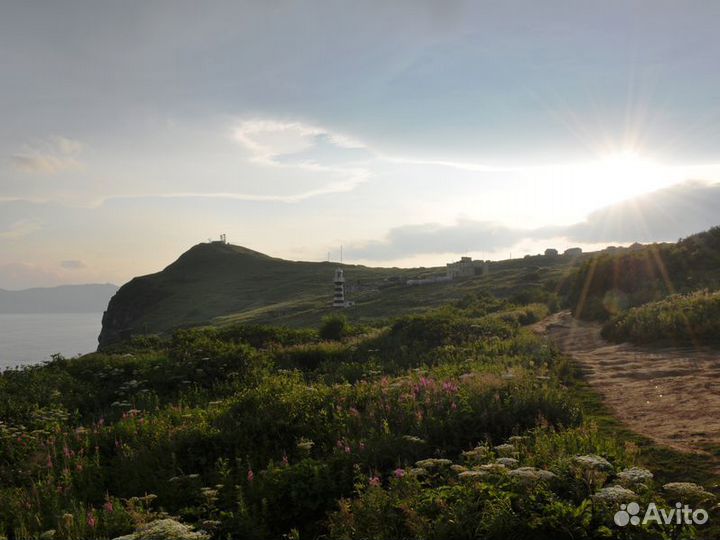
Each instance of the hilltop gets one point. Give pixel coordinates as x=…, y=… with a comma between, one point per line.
x=216, y=283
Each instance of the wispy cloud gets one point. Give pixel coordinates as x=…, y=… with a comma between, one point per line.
x=663, y=215
x=73, y=264
x=49, y=156
x=20, y=228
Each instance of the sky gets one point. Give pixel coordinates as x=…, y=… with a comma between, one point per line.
x=409, y=132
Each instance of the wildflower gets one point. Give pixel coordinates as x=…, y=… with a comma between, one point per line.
x=453, y=406
x=531, y=474
x=687, y=489
x=305, y=444
x=250, y=475
x=433, y=463
x=375, y=481
x=399, y=473
x=492, y=468
x=108, y=507
x=505, y=450
x=634, y=475
x=91, y=520
x=593, y=461
x=417, y=471
x=516, y=439
x=347, y=449
x=614, y=494
x=458, y=468
x=472, y=475
x=285, y=462
x=507, y=462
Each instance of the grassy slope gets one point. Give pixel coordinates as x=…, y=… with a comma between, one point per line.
x=223, y=284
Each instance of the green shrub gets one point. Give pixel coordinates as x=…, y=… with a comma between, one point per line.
x=334, y=327
x=692, y=319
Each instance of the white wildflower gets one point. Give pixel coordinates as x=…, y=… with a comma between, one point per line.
x=614, y=494
x=531, y=474
x=593, y=461
x=508, y=462
x=634, y=475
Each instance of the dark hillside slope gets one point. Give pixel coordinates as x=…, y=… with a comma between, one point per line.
x=212, y=280
x=609, y=283
x=223, y=284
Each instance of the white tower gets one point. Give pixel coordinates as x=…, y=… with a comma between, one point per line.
x=339, y=299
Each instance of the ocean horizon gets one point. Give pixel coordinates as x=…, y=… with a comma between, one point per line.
x=31, y=338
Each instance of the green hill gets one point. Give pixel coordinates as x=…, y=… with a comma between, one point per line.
x=222, y=284
x=609, y=283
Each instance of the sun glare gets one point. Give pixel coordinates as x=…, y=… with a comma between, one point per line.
x=624, y=175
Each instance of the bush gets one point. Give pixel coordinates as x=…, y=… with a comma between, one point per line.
x=692, y=319
x=334, y=327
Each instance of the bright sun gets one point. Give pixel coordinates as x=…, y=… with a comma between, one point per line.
x=624, y=175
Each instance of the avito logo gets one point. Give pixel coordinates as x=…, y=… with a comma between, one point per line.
x=629, y=514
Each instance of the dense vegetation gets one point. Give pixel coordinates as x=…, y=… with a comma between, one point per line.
x=456, y=423
x=691, y=319
x=608, y=283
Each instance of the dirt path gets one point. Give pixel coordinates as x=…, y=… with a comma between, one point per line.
x=670, y=395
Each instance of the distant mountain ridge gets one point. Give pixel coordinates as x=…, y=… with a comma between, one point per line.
x=90, y=298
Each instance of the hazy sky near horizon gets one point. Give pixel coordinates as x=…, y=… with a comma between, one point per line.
x=411, y=132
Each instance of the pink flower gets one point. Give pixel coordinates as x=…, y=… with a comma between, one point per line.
x=375, y=481
x=399, y=473
x=250, y=475
x=49, y=462
x=91, y=520
x=347, y=449
x=354, y=411
x=453, y=406
x=108, y=507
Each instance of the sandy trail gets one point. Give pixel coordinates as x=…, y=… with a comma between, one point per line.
x=670, y=395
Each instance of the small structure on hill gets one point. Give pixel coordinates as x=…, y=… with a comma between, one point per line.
x=339, y=298
x=462, y=268
x=573, y=252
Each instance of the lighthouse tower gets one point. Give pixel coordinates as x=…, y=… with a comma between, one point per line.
x=339, y=299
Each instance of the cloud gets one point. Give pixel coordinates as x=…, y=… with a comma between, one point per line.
x=72, y=264
x=273, y=141
x=662, y=215
x=50, y=156
x=665, y=214
x=462, y=237
x=20, y=228
x=303, y=146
